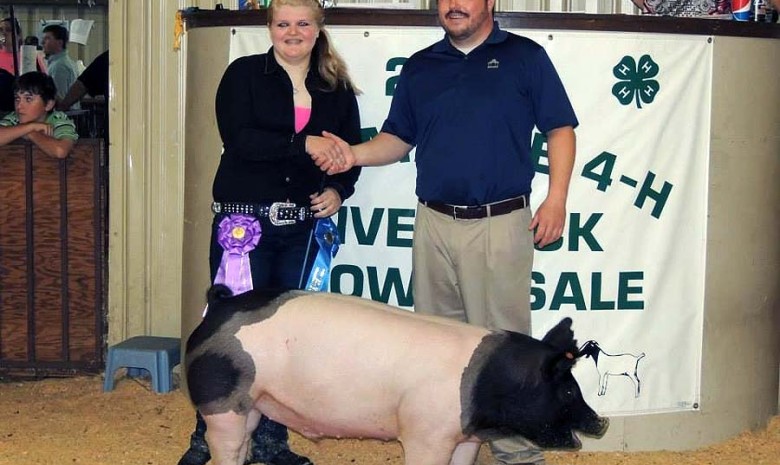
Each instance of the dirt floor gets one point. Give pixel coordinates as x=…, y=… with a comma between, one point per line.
x=71, y=421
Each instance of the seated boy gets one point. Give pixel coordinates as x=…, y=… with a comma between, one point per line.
x=34, y=99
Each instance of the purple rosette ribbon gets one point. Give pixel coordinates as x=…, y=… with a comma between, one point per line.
x=238, y=234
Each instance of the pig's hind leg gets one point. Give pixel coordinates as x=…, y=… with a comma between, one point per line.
x=228, y=438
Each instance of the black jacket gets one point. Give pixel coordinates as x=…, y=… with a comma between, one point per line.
x=263, y=159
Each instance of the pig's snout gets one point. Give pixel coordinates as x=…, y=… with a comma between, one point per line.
x=596, y=428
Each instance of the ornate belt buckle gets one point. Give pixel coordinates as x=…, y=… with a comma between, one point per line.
x=273, y=214
x=216, y=207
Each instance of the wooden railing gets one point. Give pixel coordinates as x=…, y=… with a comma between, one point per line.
x=52, y=260
x=507, y=20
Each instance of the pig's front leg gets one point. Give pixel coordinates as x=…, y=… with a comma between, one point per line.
x=432, y=449
x=419, y=451
x=429, y=426
x=465, y=453
x=227, y=437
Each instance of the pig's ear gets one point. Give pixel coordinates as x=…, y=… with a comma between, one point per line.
x=559, y=364
x=561, y=336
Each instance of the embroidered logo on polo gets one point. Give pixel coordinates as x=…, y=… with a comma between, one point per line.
x=636, y=80
x=492, y=64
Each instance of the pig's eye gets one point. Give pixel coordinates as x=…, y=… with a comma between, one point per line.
x=567, y=394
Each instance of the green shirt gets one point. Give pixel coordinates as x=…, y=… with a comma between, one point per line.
x=62, y=126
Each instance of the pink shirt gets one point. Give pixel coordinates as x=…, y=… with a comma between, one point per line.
x=302, y=116
x=7, y=61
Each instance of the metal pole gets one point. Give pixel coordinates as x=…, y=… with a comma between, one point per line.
x=14, y=42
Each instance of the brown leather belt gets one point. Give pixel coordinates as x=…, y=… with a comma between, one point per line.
x=479, y=211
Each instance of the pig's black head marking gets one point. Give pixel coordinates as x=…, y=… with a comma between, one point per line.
x=594, y=427
x=517, y=385
x=558, y=439
x=558, y=366
x=561, y=339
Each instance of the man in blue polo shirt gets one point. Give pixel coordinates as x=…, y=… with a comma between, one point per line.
x=59, y=65
x=469, y=104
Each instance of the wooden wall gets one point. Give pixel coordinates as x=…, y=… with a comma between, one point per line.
x=52, y=244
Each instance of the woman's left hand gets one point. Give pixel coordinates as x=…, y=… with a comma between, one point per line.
x=325, y=204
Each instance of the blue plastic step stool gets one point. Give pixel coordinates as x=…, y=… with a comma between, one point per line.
x=158, y=355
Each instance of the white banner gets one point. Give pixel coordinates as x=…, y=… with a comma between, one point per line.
x=630, y=267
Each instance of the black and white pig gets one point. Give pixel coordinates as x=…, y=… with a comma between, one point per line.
x=329, y=365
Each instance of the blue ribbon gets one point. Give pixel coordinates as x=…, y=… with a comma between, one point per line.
x=327, y=237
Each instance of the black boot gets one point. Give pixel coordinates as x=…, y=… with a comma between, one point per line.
x=198, y=453
x=269, y=446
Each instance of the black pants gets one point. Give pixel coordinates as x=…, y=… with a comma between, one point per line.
x=268, y=439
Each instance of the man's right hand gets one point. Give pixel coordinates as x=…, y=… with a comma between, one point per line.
x=338, y=161
x=382, y=149
x=321, y=149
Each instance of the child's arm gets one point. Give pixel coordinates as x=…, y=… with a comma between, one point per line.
x=11, y=133
x=58, y=148
x=61, y=137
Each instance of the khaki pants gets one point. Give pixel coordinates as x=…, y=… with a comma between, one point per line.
x=479, y=272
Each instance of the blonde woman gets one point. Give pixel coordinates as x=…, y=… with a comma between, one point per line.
x=271, y=110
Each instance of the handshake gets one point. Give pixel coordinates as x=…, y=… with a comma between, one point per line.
x=334, y=156
x=330, y=153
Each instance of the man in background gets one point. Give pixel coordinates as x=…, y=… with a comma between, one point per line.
x=32, y=40
x=59, y=65
x=93, y=81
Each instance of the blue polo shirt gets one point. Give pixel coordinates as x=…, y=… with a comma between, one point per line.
x=471, y=116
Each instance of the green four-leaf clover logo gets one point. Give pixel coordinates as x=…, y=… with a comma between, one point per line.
x=636, y=81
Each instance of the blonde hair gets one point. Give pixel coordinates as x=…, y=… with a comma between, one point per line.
x=331, y=66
